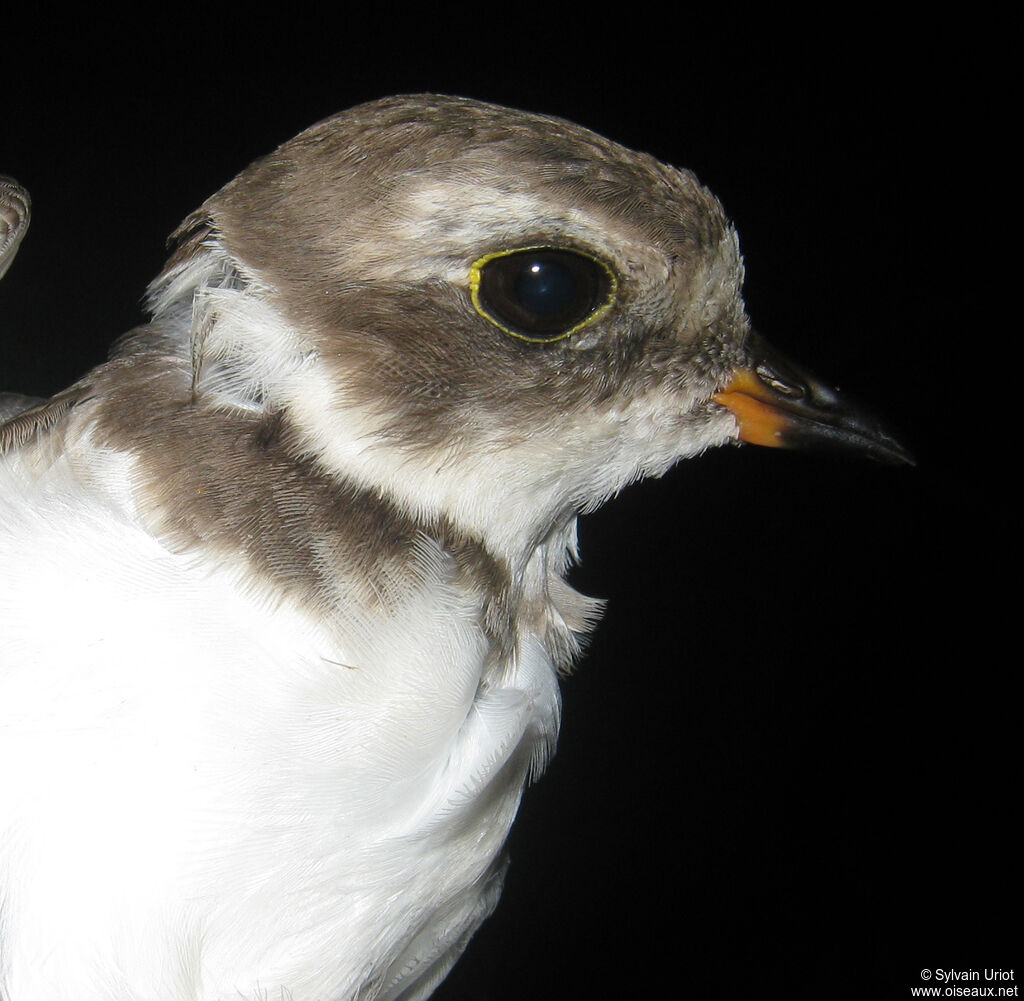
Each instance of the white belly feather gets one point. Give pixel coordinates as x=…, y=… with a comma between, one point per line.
x=204, y=794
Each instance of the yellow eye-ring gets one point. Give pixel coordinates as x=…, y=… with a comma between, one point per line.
x=541, y=294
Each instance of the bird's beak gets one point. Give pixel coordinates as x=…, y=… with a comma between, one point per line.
x=779, y=404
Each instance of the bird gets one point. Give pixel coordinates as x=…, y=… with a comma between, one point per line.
x=284, y=608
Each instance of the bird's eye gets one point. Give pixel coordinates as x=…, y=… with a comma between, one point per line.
x=541, y=294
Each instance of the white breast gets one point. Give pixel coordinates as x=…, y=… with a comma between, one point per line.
x=205, y=793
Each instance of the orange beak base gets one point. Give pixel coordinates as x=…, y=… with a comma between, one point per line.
x=780, y=405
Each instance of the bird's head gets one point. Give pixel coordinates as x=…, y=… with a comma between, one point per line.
x=496, y=315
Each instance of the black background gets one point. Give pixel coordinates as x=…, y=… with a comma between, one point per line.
x=790, y=762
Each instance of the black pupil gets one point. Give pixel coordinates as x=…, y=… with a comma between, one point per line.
x=543, y=294
x=545, y=286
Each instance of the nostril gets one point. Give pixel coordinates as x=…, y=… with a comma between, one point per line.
x=770, y=377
